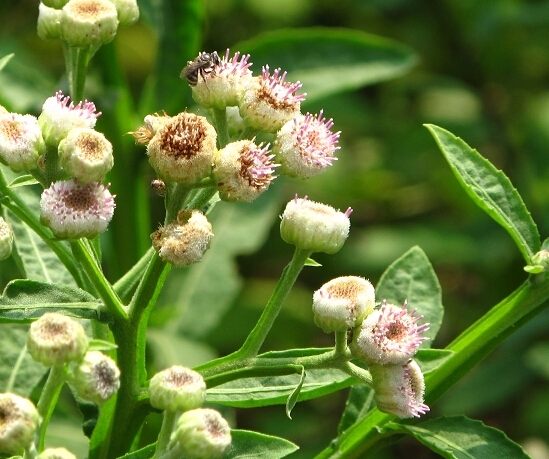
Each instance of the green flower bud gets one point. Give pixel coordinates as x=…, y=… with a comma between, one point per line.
x=184, y=241
x=86, y=155
x=96, y=378
x=201, y=434
x=21, y=141
x=399, y=389
x=177, y=389
x=312, y=226
x=55, y=339
x=57, y=4
x=183, y=148
x=56, y=453
x=343, y=303
x=88, y=22
x=19, y=420
x=48, y=25
x=128, y=11
x=6, y=239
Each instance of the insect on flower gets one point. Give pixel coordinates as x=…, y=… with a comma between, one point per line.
x=202, y=65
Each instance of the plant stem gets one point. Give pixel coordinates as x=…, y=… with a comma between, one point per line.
x=47, y=401
x=220, y=117
x=76, y=63
x=165, y=432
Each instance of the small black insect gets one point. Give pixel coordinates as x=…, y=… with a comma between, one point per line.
x=203, y=65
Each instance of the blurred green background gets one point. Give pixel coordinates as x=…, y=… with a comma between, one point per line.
x=483, y=74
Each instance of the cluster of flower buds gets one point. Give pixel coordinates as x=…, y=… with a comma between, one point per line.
x=63, y=147
x=59, y=341
x=199, y=433
x=84, y=23
x=385, y=338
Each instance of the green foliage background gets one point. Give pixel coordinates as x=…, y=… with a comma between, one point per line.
x=482, y=73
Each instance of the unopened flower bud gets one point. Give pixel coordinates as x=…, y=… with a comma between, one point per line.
x=88, y=22
x=96, y=378
x=305, y=146
x=60, y=115
x=19, y=420
x=57, y=4
x=343, y=303
x=48, y=25
x=201, y=434
x=539, y=262
x=55, y=339
x=389, y=335
x=6, y=239
x=223, y=85
x=243, y=171
x=184, y=241
x=177, y=389
x=56, y=453
x=269, y=102
x=183, y=148
x=312, y=226
x=86, y=155
x=128, y=11
x=399, y=389
x=21, y=141
x=73, y=211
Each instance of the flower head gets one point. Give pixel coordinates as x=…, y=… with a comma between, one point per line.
x=343, y=303
x=305, y=146
x=72, y=210
x=183, y=148
x=60, y=115
x=96, y=378
x=153, y=122
x=224, y=84
x=243, y=170
x=6, y=239
x=21, y=141
x=56, y=453
x=269, y=101
x=55, y=339
x=48, y=21
x=19, y=420
x=390, y=335
x=127, y=10
x=183, y=242
x=399, y=389
x=312, y=226
x=86, y=155
x=177, y=389
x=201, y=434
x=88, y=22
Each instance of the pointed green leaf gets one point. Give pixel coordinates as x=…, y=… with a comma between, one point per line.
x=329, y=60
x=24, y=300
x=23, y=180
x=490, y=189
x=4, y=60
x=247, y=445
x=413, y=279
x=458, y=437
x=292, y=399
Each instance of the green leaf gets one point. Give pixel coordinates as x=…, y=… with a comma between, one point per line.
x=292, y=399
x=412, y=278
x=204, y=291
x=275, y=390
x=359, y=402
x=458, y=437
x=25, y=300
x=23, y=180
x=329, y=60
x=430, y=359
x=101, y=345
x=13, y=339
x=490, y=189
x=5, y=60
x=248, y=445
x=143, y=453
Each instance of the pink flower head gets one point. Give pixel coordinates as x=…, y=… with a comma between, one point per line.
x=72, y=210
x=60, y=115
x=390, y=335
x=305, y=145
x=279, y=91
x=236, y=65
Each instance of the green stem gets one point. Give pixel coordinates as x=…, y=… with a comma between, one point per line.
x=15, y=369
x=220, y=118
x=48, y=400
x=175, y=197
x=473, y=345
x=340, y=342
x=76, y=63
x=51, y=165
x=257, y=336
x=165, y=432
x=98, y=280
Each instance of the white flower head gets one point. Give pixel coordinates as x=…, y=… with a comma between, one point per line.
x=177, y=389
x=72, y=210
x=305, y=145
x=21, y=141
x=19, y=420
x=96, y=378
x=390, y=335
